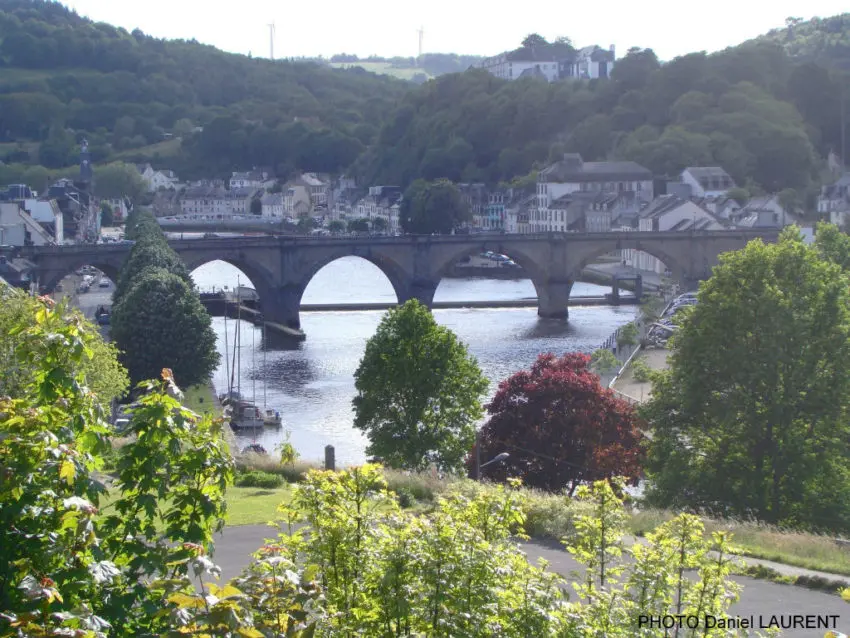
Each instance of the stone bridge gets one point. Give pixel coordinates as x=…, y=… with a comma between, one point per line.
x=281, y=267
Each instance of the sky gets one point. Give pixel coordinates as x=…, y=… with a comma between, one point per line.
x=390, y=27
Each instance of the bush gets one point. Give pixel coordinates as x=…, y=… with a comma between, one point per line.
x=259, y=479
x=641, y=371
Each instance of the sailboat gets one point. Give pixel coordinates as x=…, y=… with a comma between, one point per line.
x=244, y=414
x=272, y=417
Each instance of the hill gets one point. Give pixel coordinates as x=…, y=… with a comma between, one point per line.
x=766, y=112
x=824, y=41
x=125, y=91
x=764, y=116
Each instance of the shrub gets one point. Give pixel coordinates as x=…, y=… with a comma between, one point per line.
x=259, y=479
x=641, y=371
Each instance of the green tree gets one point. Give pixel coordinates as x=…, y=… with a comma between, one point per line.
x=159, y=322
x=106, y=378
x=436, y=207
x=739, y=194
x=107, y=215
x=59, y=149
x=751, y=417
x=604, y=362
x=150, y=251
x=379, y=224
x=534, y=40
x=789, y=199
x=58, y=552
x=359, y=225
x=305, y=223
x=256, y=206
x=418, y=392
x=119, y=180
x=336, y=226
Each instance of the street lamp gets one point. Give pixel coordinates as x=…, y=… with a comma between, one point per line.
x=499, y=458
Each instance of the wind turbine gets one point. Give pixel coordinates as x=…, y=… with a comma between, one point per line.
x=271, y=40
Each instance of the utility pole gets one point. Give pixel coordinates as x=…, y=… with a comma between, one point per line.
x=271, y=40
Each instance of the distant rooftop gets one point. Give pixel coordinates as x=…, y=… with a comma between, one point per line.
x=572, y=169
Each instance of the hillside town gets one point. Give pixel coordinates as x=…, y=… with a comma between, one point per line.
x=570, y=195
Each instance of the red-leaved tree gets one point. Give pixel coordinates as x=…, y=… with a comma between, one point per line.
x=560, y=427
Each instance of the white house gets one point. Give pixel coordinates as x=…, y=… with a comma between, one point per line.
x=707, y=181
x=18, y=228
x=573, y=175
x=551, y=62
x=156, y=180
x=238, y=200
x=668, y=213
x=765, y=212
x=272, y=205
x=47, y=214
x=834, y=200
x=205, y=201
x=248, y=179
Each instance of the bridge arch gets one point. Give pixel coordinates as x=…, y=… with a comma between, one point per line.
x=51, y=278
x=548, y=293
x=258, y=275
x=582, y=256
x=394, y=273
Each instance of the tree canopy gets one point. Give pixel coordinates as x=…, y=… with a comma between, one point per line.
x=119, y=180
x=158, y=319
x=124, y=91
x=751, y=419
x=560, y=427
x=418, y=392
x=436, y=207
x=20, y=353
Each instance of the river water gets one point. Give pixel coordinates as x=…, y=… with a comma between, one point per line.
x=312, y=384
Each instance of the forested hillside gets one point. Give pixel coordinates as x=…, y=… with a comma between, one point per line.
x=822, y=40
x=124, y=91
x=752, y=109
x=768, y=110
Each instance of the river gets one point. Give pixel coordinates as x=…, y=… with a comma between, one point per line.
x=312, y=384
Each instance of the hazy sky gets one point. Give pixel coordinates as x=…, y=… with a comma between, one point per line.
x=389, y=27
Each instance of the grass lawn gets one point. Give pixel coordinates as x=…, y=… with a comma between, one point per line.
x=800, y=549
x=254, y=505
x=245, y=505
x=384, y=68
x=166, y=148
x=200, y=398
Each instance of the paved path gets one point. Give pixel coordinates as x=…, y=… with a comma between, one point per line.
x=760, y=598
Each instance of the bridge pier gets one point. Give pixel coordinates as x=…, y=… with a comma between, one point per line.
x=421, y=289
x=282, y=305
x=554, y=299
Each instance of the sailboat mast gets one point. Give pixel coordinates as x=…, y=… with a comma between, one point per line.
x=264, y=367
x=227, y=378
x=239, y=334
x=253, y=367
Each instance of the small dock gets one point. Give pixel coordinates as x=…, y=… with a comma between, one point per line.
x=218, y=306
x=459, y=305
